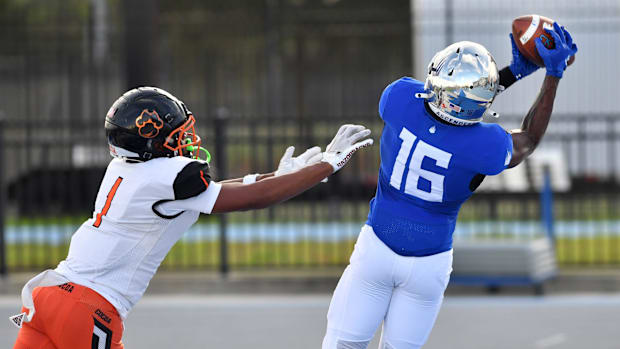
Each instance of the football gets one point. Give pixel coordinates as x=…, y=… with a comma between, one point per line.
x=526, y=29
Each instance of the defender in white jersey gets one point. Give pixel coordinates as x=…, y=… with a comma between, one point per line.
x=152, y=192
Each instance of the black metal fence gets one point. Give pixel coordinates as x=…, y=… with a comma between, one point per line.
x=51, y=178
x=262, y=75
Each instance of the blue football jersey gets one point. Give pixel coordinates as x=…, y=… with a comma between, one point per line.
x=426, y=170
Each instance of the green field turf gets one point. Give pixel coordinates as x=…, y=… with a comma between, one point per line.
x=587, y=249
x=206, y=255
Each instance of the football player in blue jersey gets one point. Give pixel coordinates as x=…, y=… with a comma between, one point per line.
x=435, y=151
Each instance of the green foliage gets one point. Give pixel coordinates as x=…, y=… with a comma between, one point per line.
x=31, y=26
x=43, y=13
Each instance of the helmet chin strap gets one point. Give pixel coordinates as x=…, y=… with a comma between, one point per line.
x=196, y=152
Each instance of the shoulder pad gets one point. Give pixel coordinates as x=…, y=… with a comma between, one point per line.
x=193, y=179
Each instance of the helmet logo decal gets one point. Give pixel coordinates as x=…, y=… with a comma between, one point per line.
x=149, y=123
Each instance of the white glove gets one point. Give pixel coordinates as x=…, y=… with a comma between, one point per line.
x=344, y=145
x=289, y=164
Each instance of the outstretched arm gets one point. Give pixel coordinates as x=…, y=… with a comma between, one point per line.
x=534, y=125
x=288, y=163
x=259, y=177
x=269, y=191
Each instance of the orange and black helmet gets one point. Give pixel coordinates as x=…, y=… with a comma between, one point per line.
x=148, y=122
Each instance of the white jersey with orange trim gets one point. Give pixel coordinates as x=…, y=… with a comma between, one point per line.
x=141, y=211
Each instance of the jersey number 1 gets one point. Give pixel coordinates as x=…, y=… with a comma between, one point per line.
x=422, y=150
x=108, y=202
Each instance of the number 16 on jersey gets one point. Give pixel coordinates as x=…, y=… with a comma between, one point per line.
x=422, y=150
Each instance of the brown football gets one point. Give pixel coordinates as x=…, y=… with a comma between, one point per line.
x=526, y=29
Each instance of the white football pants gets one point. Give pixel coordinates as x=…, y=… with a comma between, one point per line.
x=380, y=285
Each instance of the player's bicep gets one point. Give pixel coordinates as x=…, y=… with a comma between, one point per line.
x=236, y=197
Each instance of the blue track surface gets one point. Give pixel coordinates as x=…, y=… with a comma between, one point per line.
x=335, y=231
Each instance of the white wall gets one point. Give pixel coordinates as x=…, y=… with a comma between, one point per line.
x=590, y=86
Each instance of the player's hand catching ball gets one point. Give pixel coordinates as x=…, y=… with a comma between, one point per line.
x=520, y=66
x=556, y=58
x=345, y=144
x=289, y=164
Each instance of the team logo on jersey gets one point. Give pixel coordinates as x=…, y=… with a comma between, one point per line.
x=149, y=123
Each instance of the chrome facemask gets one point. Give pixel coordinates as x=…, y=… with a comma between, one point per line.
x=462, y=82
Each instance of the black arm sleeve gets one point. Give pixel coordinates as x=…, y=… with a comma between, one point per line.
x=506, y=77
x=193, y=179
x=476, y=181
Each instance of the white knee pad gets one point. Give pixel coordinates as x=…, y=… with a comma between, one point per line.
x=397, y=345
x=334, y=340
x=342, y=344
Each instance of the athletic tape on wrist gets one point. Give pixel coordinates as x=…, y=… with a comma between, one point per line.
x=249, y=179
